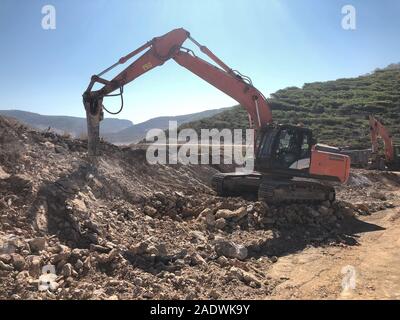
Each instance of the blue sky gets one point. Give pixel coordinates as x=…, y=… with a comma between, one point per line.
x=278, y=43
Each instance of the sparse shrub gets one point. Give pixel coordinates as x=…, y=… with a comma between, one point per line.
x=335, y=110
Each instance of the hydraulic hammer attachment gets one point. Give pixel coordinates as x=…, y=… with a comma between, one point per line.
x=94, y=114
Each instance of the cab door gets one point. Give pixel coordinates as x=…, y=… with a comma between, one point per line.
x=292, y=148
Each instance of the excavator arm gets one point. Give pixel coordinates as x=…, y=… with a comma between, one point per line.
x=159, y=50
x=377, y=129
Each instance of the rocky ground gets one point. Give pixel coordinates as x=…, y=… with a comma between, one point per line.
x=126, y=229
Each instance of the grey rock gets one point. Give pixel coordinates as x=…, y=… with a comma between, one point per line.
x=220, y=223
x=274, y=259
x=323, y=210
x=230, y=249
x=79, y=264
x=37, y=244
x=150, y=211
x=5, y=267
x=198, y=235
x=6, y=258
x=98, y=248
x=18, y=261
x=67, y=270
x=210, y=220
x=34, y=265
x=139, y=248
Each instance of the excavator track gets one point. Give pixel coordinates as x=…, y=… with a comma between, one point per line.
x=287, y=191
x=217, y=184
x=270, y=189
x=235, y=184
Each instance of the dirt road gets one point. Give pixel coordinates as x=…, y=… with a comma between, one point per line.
x=316, y=273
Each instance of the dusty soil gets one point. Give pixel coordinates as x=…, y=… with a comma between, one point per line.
x=316, y=273
x=126, y=229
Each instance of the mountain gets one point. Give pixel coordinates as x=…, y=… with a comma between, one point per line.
x=116, y=131
x=336, y=110
x=138, y=131
x=74, y=126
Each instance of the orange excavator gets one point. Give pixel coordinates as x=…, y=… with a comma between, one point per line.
x=392, y=152
x=288, y=161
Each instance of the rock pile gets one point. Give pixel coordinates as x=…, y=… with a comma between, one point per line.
x=126, y=229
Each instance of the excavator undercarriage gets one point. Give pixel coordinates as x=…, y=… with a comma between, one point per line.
x=271, y=189
x=287, y=159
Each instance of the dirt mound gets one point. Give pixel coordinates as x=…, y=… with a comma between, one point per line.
x=369, y=191
x=128, y=229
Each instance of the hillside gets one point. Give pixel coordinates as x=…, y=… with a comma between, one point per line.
x=335, y=110
x=64, y=124
x=138, y=131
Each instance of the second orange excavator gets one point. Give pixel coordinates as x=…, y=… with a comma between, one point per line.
x=288, y=159
x=392, y=152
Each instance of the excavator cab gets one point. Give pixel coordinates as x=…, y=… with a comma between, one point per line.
x=289, y=151
x=283, y=147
